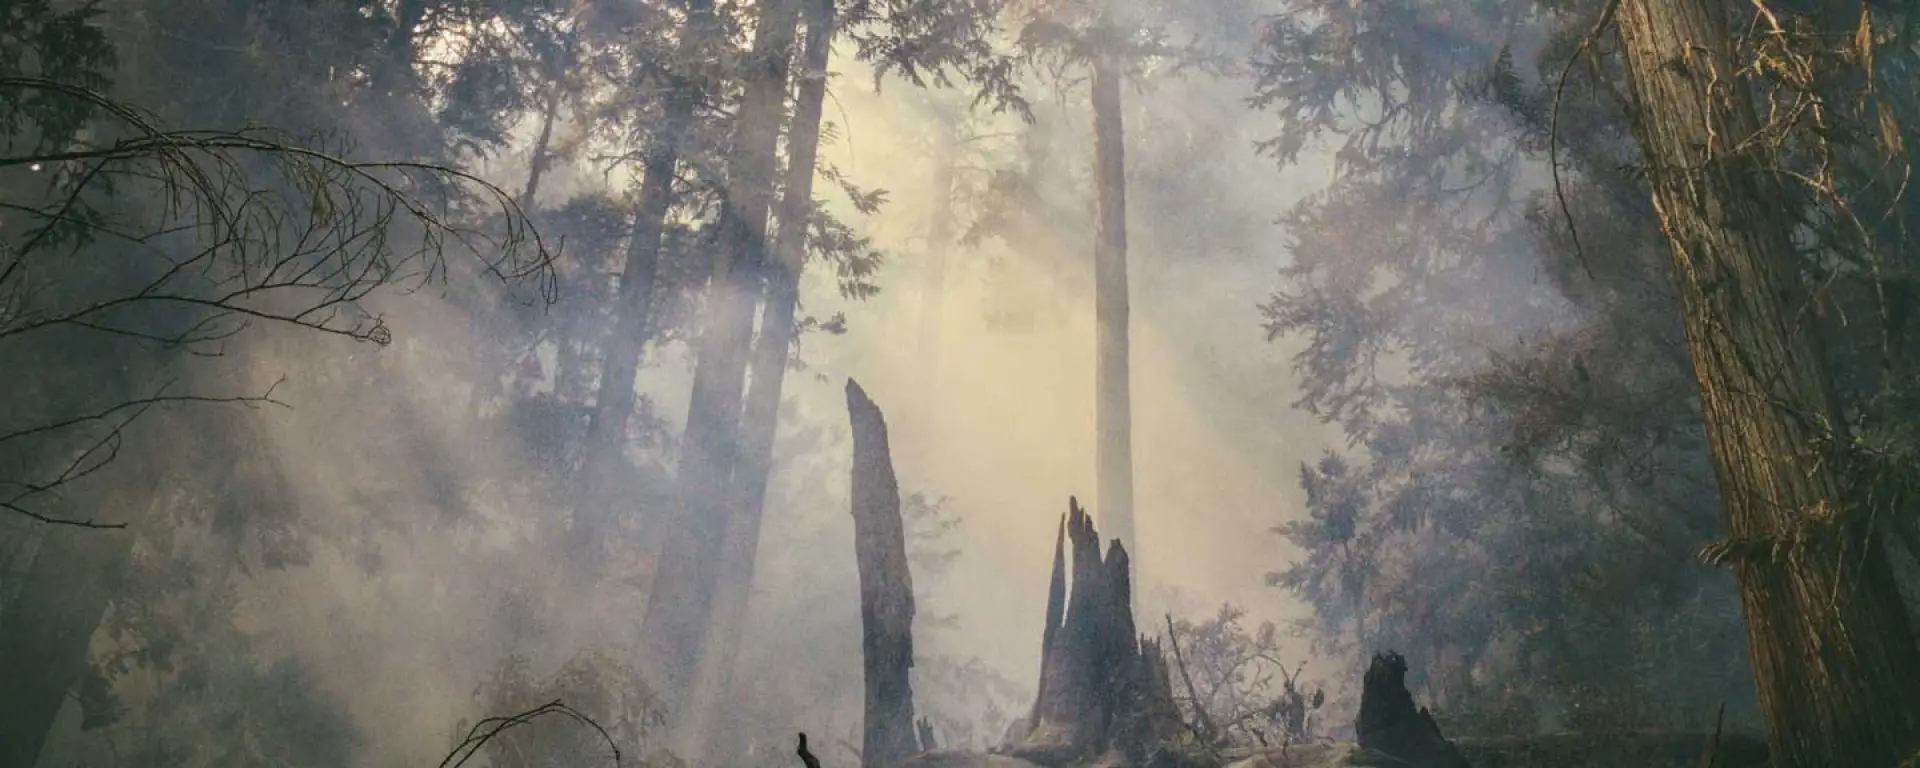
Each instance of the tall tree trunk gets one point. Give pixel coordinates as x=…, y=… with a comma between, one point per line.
x=760, y=423
x=886, y=589
x=613, y=405
x=47, y=631
x=680, y=605
x=933, y=288
x=1832, y=651
x=1113, y=397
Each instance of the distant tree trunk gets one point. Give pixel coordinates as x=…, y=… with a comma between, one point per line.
x=760, y=423
x=680, y=605
x=886, y=588
x=613, y=405
x=1832, y=650
x=395, y=76
x=537, y=163
x=1113, y=398
x=573, y=375
x=933, y=288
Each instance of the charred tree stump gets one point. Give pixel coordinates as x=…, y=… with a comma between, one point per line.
x=807, y=757
x=1103, y=689
x=886, y=588
x=927, y=741
x=1389, y=722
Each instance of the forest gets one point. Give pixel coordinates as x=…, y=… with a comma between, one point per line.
x=525, y=383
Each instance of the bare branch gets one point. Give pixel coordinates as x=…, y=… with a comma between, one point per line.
x=487, y=730
x=101, y=451
x=182, y=239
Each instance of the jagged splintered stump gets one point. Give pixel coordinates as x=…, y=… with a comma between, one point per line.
x=1389, y=722
x=886, y=589
x=1104, y=690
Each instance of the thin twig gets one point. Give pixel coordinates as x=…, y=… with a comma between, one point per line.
x=1553, y=131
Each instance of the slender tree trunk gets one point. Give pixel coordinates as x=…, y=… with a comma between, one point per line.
x=886, y=589
x=572, y=377
x=680, y=605
x=613, y=405
x=1113, y=398
x=537, y=164
x=933, y=289
x=395, y=76
x=1833, y=653
x=760, y=423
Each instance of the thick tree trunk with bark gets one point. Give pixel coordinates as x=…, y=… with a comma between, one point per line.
x=614, y=403
x=886, y=588
x=1103, y=689
x=1113, y=390
x=1832, y=650
x=46, y=633
x=680, y=605
x=760, y=423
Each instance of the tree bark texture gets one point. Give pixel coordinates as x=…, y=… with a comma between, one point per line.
x=613, y=405
x=1832, y=650
x=886, y=588
x=1103, y=690
x=760, y=423
x=1113, y=390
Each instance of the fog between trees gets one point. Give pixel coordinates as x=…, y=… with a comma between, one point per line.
x=1381, y=396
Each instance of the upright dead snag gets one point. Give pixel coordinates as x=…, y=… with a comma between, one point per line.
x=1102, y=690
x=886, y=588
x=1390, y=723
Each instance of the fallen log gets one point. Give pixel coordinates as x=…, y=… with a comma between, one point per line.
x=1104, y=691
x=886, y=589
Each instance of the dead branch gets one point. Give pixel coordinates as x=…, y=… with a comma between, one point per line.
x=487, y=730
x=806, y=755
x=101, y=451
x=1205, y=731
x=180, y=240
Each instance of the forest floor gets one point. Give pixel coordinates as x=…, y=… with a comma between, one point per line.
x=1567, y=750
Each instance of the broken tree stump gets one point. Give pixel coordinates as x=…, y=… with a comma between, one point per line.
x=927, y=741
x=1103, y=689
x=1389, y=722
x=886, y=588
